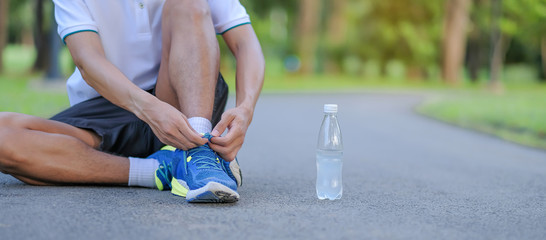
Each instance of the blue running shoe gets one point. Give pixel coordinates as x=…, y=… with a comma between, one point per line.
x=233, y=170
x=200, y=177
x=163, y=175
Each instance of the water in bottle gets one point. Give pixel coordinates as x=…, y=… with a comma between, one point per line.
x=329, y=156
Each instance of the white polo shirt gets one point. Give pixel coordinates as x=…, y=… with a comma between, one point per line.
x=130, y=32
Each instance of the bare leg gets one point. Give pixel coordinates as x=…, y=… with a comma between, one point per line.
x=43, y=152
x=190, y=58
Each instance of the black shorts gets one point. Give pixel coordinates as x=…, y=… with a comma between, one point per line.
x=121, y=131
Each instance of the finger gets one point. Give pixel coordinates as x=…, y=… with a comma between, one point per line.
x=189, y=134
x=165, y=139
x=196, y=137
x=180, y=142
x=174, y=137
x=226, y=153
x=223, y=124
x=176, y=145
x=230, y=138
x=217, y=148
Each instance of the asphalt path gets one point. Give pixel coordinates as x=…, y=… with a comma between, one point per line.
x=405, y=176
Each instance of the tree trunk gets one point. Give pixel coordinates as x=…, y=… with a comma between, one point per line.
x=337, y=25
x=308, y=30
x=473, y=58
x=454, y=41
x=53, y=70
x=543, y=56
x=41, y=39
x=415, y=73
x=476, y=53
x=499, y=45
x=4, y=5
x=336, y=34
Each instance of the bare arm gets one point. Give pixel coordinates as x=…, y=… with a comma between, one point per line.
x=169, y=124
x=244, y=45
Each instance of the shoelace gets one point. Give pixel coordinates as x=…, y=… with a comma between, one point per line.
x=165, y=169
x=204, y=161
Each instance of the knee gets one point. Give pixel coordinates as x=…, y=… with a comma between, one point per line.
x=10, y=157
x=192, y=11
x=11, y=126
x=11, y=120
x=18, y=121
x=6, y=119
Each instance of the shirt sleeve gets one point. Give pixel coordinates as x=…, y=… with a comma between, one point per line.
x=227, y=14
x=73, y=16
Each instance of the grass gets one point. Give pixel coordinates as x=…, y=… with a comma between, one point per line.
x=17, y=97
x=16, y=93
x=518, y=114
x=326, y=82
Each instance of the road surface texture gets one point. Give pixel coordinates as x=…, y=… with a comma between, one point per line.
x=405, y=176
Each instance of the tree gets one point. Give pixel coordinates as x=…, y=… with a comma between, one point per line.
x=524, y=20
x=520, y=22
x=499, y=43
x=406, y=31
x=308, y=33
x=454, y=38
x=477, y=50
x=41, y=39
x=53, y=70
x=336, y=33
x=4, y=5
x=543, y=56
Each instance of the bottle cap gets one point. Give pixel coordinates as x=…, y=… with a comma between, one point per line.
x=330, y=108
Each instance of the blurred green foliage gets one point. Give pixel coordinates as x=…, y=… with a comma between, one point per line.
x=367, y=38
x=383, y=33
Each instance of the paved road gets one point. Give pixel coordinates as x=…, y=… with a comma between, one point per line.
x=405, y=177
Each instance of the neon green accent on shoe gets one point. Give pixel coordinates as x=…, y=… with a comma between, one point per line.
x=167, y=147
x=178, y=189
x=163, y=174
x=158, y=182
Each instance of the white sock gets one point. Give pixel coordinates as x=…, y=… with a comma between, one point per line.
x=142, y=172
x=201, y=125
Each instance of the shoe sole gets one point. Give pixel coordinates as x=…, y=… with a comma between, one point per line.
x=213, y=192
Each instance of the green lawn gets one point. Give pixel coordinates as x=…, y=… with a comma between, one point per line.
x=16, y=96
x=16, y=93
x=518, y=114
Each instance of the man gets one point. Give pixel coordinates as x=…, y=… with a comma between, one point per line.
x=146, y=76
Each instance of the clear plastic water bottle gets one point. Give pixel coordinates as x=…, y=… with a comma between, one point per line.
x=329, y=156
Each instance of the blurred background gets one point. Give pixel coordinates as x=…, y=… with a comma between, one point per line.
x=482, y=61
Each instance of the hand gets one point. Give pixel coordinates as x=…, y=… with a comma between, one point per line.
x=171, y=126
x=237, y=121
